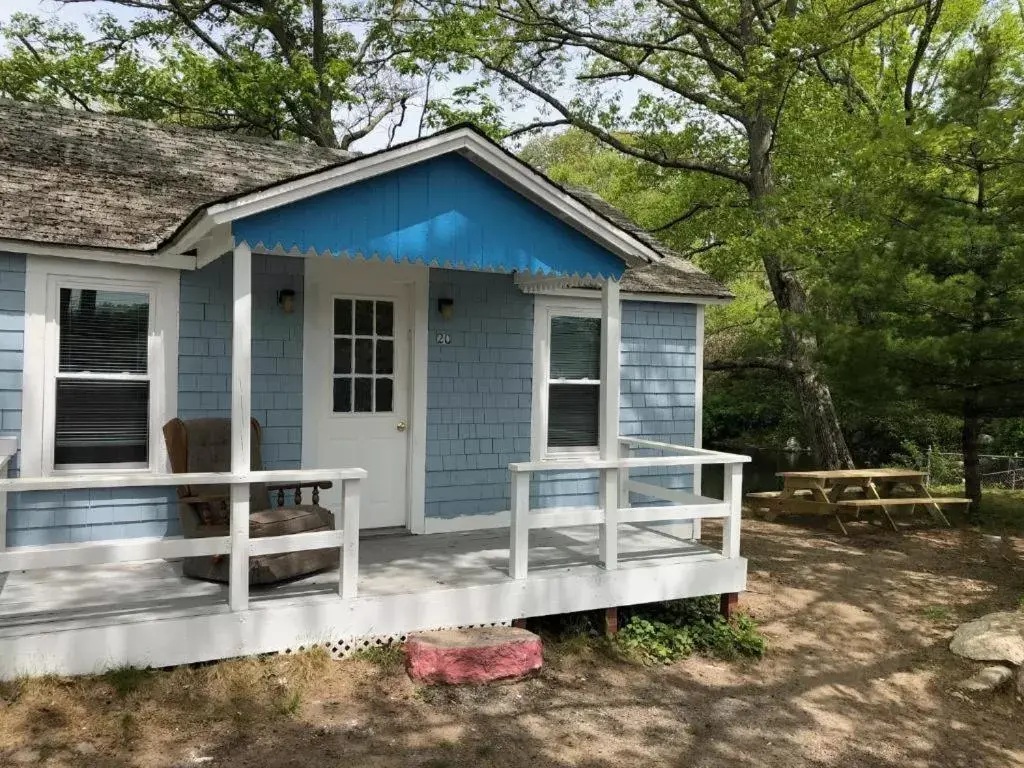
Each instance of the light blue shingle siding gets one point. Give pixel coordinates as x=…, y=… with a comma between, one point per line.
x=12, y=328
x=204, y=370
x=659, y=382
x=204, y=360
x=479, y=394
x=479, y=389
x=656, y=402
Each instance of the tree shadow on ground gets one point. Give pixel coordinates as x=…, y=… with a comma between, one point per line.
x=857, y=674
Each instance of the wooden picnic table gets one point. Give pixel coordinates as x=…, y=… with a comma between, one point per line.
x=828, y=492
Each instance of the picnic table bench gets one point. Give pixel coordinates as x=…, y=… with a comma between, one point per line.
x=831, y=492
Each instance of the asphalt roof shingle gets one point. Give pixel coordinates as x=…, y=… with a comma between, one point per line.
x=94, y=180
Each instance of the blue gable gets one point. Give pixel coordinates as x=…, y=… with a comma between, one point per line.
x=444, y=212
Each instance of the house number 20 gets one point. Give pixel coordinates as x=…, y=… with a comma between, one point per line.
x=443, y=338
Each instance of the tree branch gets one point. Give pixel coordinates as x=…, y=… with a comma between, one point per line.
x=534, y=127
x=661, y=160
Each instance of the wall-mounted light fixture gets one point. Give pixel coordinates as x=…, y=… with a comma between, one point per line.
x=286, y=300
x=446, y=308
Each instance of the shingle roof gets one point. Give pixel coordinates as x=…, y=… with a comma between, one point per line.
x=86, y=179
x=676, y=274
x=94, y=180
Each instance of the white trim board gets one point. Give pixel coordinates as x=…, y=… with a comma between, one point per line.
x=465, y=142
x=42, y=276
x=544, y=308
x=115, y=255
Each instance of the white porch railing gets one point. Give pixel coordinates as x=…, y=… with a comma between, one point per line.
x=615, y=508
x=345, y=536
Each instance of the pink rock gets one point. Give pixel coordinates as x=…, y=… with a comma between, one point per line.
x=458, y=656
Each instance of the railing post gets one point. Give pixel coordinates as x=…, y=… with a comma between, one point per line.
x=238, y=574
x=519, y=545
x=623, y=477
x=348, y=570
x=241, y=431
x=5, y=462
x=733, y=497
x=609, y=546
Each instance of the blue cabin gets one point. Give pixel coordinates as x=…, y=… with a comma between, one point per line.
x=227, y=362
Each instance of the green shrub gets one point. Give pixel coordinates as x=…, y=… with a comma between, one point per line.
x=661, y=633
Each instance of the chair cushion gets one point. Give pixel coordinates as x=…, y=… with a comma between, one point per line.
x=280, y=521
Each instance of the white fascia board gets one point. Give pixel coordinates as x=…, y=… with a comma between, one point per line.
x=468, y=144
x=117, y=256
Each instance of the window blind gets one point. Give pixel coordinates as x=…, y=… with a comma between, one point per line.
x=574, y=390
x=576, y=348
x=102, y=389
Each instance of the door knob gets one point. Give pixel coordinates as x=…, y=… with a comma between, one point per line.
x=401, y=426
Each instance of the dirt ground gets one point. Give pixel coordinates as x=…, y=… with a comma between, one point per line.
x=857, y=674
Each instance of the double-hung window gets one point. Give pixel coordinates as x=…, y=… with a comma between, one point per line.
x=567, y=378
x=100, y=368
x=103, y=380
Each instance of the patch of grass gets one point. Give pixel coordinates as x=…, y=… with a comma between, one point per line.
x=390, y=657
x=1020, y=603
x=438, y=762
x=1001, y=510
x=127, y=679
x=485, y=750
x=938, y=613
x=430, y=694
x=130, y=729
x=290, y=704
x=10, y=690
x=661, y=633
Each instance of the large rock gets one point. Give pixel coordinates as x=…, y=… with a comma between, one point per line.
x=996, y=637
x=458, y=656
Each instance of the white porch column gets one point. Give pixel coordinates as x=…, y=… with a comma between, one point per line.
x=611, y=335
x=241, y=432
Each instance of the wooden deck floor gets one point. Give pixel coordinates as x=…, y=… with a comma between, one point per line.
x=389, y=565
x=89, y=618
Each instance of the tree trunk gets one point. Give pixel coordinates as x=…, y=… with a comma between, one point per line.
x=969, y=441
x=799, y=346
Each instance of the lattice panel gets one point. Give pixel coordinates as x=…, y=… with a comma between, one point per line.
x=345, y=647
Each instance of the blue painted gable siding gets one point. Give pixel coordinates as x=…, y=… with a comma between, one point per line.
x=441, y=212
x=204, y=364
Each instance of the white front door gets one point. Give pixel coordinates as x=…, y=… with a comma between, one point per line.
x=357, y=378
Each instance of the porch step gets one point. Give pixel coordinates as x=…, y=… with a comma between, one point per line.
x=480, y=655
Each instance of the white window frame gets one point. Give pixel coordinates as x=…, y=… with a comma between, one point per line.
x=43, y=280
x=544, y=309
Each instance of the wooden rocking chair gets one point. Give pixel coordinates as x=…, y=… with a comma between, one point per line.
x=204, y=445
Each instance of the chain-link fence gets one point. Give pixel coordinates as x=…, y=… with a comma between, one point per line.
x=947, y=468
